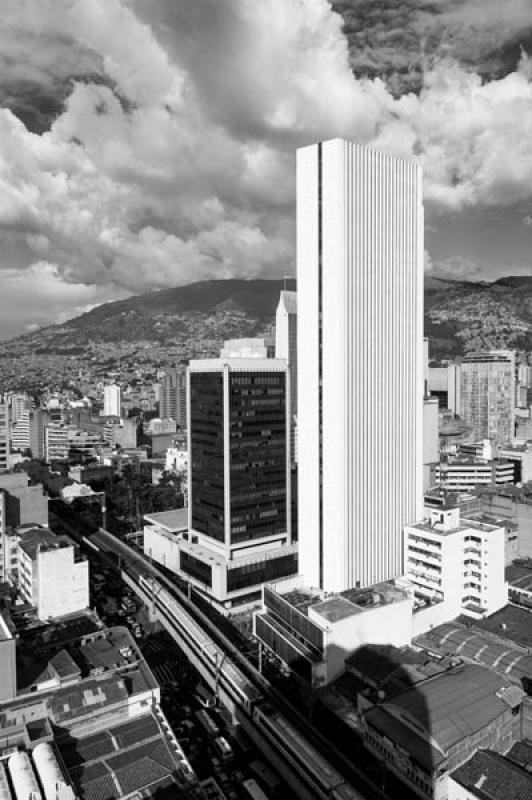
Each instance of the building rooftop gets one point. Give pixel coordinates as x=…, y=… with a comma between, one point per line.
x=521, y=753
x=490, y=776
x=336, y=607
x=442, y=711
x=238, y=364
x=41, y=538
x=110, y=650
x=174, y=520
x=131, y=757
x=511, y=623
x=393, y=667
x=519, y=575
x=495, y=647
x=465, y=524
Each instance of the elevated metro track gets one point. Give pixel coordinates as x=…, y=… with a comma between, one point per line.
x=305, y=758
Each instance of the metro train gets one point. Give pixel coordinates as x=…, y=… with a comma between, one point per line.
x=325, y=781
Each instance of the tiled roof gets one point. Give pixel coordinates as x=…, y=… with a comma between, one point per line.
x=490, y=776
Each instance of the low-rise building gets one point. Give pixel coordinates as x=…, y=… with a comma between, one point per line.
x=20, y=504
x=56, y=441
x=168, y=541
x=456, y=566
x=8, y=666
x=428, y=730
x=515, y=504
x=462, y=473
x=90, y=724
x=5, y=436
x=314, y=633
x=51, y=575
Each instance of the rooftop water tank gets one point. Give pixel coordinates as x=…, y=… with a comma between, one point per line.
x=48, y=770
x=23, y=778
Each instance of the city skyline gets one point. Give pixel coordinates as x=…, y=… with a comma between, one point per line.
x=131, y=168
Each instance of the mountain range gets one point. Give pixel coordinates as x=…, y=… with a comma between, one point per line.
x=460, y=317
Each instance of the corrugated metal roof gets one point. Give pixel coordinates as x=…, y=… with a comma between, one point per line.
x=451, y=706
x=482, y=647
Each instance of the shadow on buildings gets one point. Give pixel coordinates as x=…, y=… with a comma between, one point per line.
x=391, y=748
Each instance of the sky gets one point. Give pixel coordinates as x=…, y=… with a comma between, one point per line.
x=151, y=143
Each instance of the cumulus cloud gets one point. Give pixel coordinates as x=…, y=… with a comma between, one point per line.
x=171, y=158
x=398, y=41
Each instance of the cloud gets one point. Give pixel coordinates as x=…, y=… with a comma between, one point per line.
x=170, y=157
x=400, y=41
x=455, y=268
x=38, y=296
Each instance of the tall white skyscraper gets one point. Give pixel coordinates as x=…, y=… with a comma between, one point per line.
x=360, y=361
x=111, y=400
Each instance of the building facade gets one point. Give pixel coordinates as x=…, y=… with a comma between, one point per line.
x=5, y=436
x=238, y=476
x=51, y=576
x=111, y=400
x=487, y=395
x=460, y=473
x=443, y=383
x=456, y=566
x=360, y=361
x=314, y=634
x=173, y=397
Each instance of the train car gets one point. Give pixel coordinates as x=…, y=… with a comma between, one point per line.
x=346, y=792
x=267, y=778
x=293, y=747
x=228, y=675
x=207, y=723
x=253, y=790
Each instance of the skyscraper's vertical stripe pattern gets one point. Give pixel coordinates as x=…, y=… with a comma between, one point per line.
x=370, y=331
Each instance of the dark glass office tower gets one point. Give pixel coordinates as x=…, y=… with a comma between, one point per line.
x=239, y=459
x=207, y=453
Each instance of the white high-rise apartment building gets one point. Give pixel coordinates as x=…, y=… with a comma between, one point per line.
x=5, y=436
x=360, y=361
x=111, y=400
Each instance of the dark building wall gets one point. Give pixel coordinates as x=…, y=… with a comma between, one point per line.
x=257, y=435
x=207, y=453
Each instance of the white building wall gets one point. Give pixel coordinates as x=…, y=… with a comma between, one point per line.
x=111, y=400
x=431, y=450
x=371, y=362
x=63, y=584
x=161, y=547
x=449, y=555
x=455, y=791
x=5, y=436
x=389, y=624
x=308, y=332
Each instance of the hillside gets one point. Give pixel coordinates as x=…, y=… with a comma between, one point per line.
x=460, y=317
x=205, y=310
